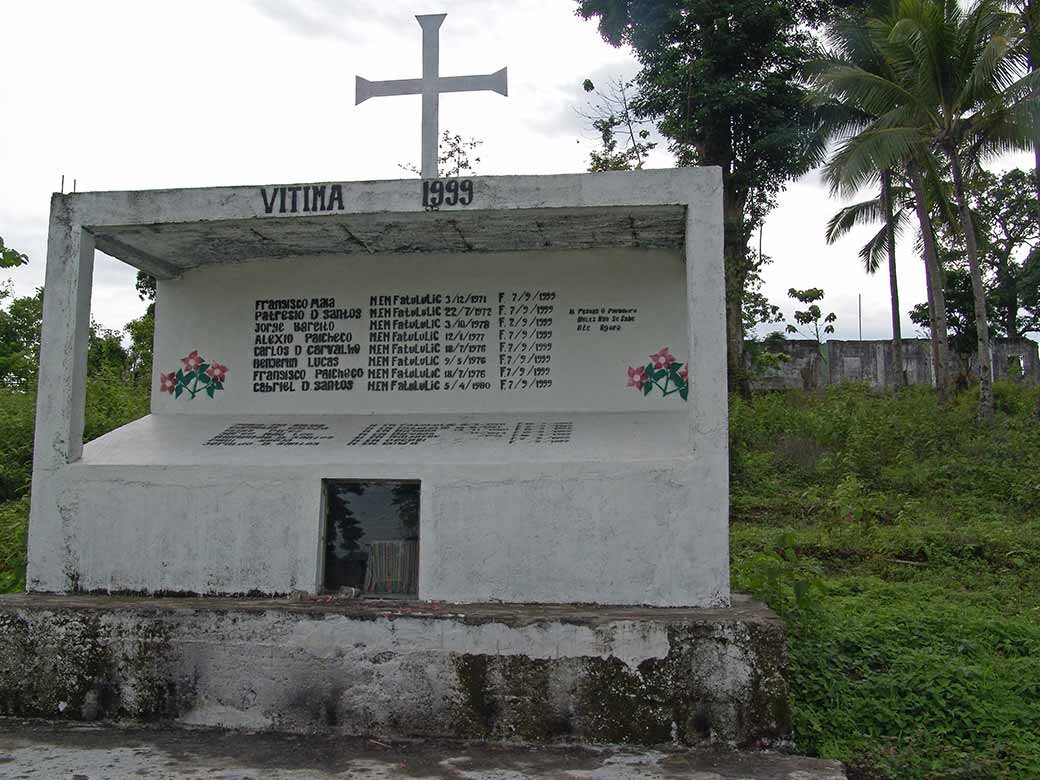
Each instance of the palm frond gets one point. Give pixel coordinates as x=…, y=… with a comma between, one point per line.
x=875, y=251
x=938, y=190
x=857, y=161
x=866, y=212
x=859, y=89
x=991, y=71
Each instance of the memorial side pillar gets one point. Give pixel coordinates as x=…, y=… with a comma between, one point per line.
x=61, y=389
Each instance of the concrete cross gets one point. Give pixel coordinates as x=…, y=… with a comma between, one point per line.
x=430, y=86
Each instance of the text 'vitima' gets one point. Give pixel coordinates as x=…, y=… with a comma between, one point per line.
x=302, y=197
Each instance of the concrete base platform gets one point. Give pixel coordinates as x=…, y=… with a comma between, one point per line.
x=44, y=750
x=402, y=669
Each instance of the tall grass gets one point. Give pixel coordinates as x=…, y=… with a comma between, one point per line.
x=901, y=542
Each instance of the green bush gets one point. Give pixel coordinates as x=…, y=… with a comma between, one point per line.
x=913, y=536
x=14, y=526
x=17, y=412
x=111, y=401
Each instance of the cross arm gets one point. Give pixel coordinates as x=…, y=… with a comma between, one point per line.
x=495, y=82
x=364, y=89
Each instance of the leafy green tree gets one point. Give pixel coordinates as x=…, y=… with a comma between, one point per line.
x=1008, y=238
x=814, y=323
x=142, y=335
x=145, y=285
x=9, y=258
x=1007, y=235
x=142, y=330
x=624, y=141
x=960, y=320
x=20, y=340
x=105, y=351
x=721, y=79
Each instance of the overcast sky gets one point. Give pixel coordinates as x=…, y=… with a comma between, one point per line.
x=142, y=95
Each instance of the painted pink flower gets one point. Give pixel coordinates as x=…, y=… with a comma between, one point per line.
x=193, y=361
x=167, y=382
x=217, y=372
x=662, y=359
x=684, y=372
x=637, y=377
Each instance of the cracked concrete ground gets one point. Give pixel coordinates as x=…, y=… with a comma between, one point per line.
x=39, y=750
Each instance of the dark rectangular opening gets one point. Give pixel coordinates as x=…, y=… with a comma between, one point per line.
x=372, y=538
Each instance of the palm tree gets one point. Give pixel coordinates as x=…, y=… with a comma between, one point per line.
x=1028, y=12
x=968, y=93
x=953, y=84
x=879, y=248
x=855, y=84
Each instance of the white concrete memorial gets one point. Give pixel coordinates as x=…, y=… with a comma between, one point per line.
x=488, y=389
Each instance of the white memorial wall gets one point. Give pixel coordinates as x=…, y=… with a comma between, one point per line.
x=594, y=330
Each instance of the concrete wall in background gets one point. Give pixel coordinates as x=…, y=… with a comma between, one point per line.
x=874, y=363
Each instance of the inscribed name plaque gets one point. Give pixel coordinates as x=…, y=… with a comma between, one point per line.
x=547, y=331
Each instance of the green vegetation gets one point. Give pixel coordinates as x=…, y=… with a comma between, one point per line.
x=111, y=401
x=117, y=392
x=11, y=258
x=901, y=543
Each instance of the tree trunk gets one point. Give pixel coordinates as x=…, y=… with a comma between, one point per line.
x=736, y=374
x=1008, y=288
x=977, y=288
x=934, y=279
x=735, y=258
x=1036, y=177
x=893, y=284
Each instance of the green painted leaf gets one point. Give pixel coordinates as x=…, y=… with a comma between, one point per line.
x=684, y=393
x=180, y=374
x=178, y=391
x=204, y=378
x=218, y=385
x=202, y=368
x=659, y=375
x=210, y=390
x=647, y=388
x=649, y=369
x=188, y=378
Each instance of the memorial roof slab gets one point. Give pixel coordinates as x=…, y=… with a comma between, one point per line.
x=168, y=249
x=166, y=232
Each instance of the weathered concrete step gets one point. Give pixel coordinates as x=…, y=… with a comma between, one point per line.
x=647, y=676
x=41, y=749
